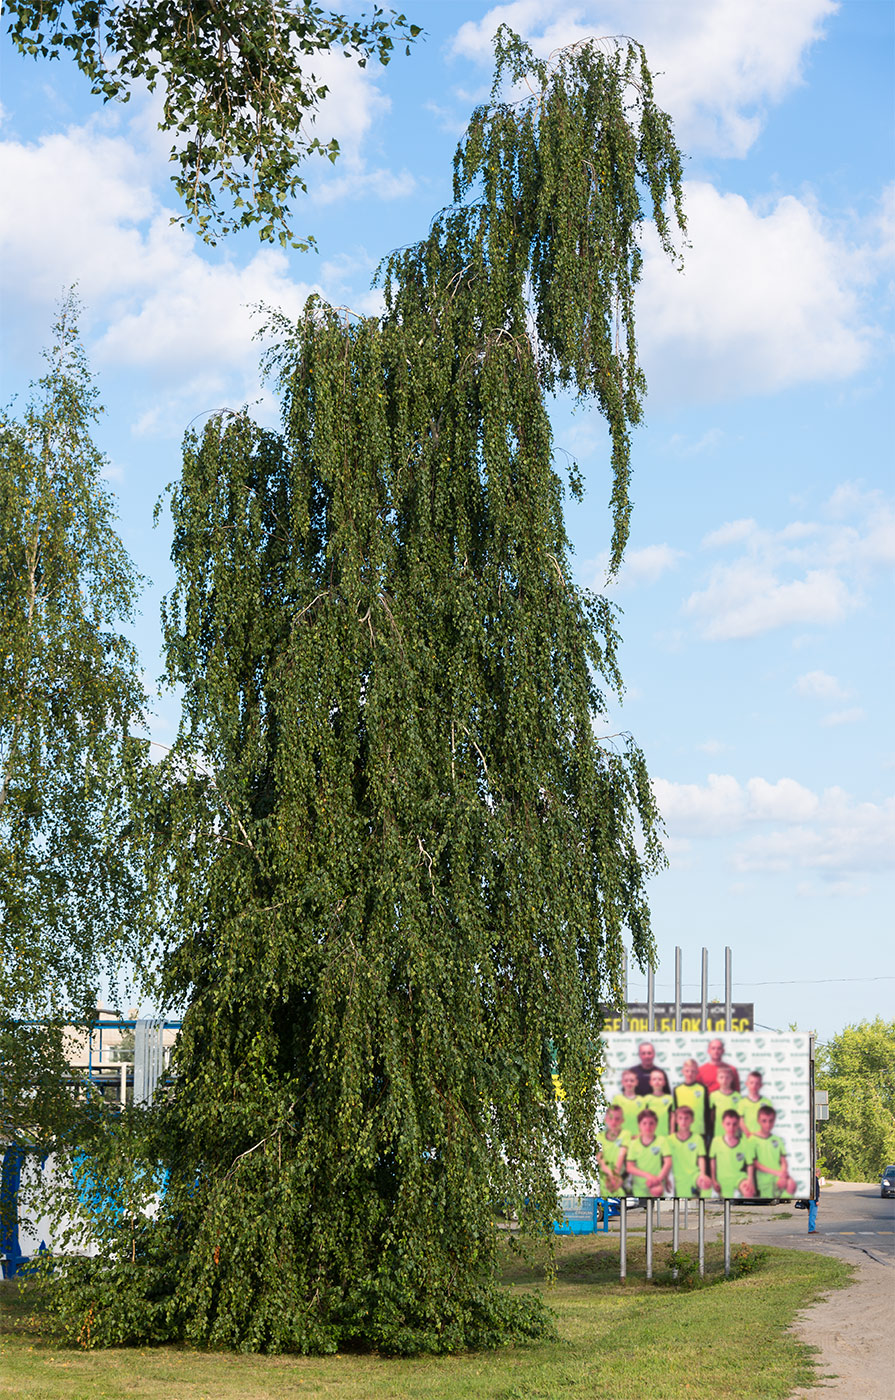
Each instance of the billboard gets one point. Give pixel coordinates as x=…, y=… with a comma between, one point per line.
x=694, y=1115
x=741, y=1016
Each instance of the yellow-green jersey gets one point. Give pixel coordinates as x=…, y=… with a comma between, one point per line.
x=630, y=1108
x=720, y=1103
x=731, y=1163
x=768, y=1152
x=649, y=1157
x=661, y=1104
x=685, y=1163
x=748, y=1111
x=611, y=1149
x=693, y=1096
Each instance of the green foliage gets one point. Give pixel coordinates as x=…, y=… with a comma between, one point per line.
x=240, y=90
x=746, y=1259
x=397, y=861
x=857, y=1068
x=69, y=694
x=685, y=1263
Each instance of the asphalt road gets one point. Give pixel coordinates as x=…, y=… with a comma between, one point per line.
x=850, y=1213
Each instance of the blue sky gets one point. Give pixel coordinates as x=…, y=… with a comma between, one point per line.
x=758, y=588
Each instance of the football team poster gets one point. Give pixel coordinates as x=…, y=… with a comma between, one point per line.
x=706, y=1116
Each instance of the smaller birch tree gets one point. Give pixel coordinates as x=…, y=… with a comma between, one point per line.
x=69, y=694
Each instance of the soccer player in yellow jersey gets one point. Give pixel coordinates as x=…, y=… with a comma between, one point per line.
x=772, y=1176
x=751, y=1102
x=688, y=1157
x=723, y=1098
x=629, y=1101
x=647, y=1159
x=660, y=1102
x=693, y=1093
x=612, y=1145
x=732, y=1156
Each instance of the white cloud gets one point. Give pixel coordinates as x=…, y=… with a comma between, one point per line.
x=848, y=836
x=157, y=301
x=745, y=599
x=786, y=800
x=718, y=63
x=830, y=833
x=819, y=685
x=691, y=808
x=640, y=566
x=353, y=105
x=682, y=446
x=380, y=184
x=808, y=572
x=712, y=747
x=730, y=533
x=852, y=716
x=768, y=298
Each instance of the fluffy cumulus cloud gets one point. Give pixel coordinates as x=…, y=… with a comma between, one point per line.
x=783, y=826
x=771, y=294
x=353, y=104
x=810, y=573
x=768, y=297
x=718, y=63
x=642, y=566
x=157, y=301
x=90, y=209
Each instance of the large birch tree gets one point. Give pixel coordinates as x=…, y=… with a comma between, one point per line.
x=401, y=864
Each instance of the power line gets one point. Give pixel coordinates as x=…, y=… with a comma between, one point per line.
x=792, y=982
x=806, y=981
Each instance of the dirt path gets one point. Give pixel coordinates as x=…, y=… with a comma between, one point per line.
x=853, y=1328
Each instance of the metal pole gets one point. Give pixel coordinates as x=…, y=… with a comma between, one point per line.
x=728, y=989
x=812, y=1165
x=625, y=994
x=703, y=1018
x=650, y=999
x=678, y=1025
x=678, y=1019
x=623, y=1238
x=686, y=1213
x=727, y=1239
x=649, y=1237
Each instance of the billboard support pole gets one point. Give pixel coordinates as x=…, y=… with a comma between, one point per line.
x=703, y=1018
x=676, y=1205
x=623, y=1202
x=728, y=1014
x=728, y=989
x=625, y=990
x=727, y=1239
x=649, y=1237
x=623, y=1238
x=650, y=999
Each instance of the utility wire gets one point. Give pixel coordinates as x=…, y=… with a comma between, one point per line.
x=792, y=982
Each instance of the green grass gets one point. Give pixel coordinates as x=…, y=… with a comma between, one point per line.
x=641, y=1340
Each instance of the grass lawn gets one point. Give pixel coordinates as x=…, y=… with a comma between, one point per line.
x=640, y=1341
